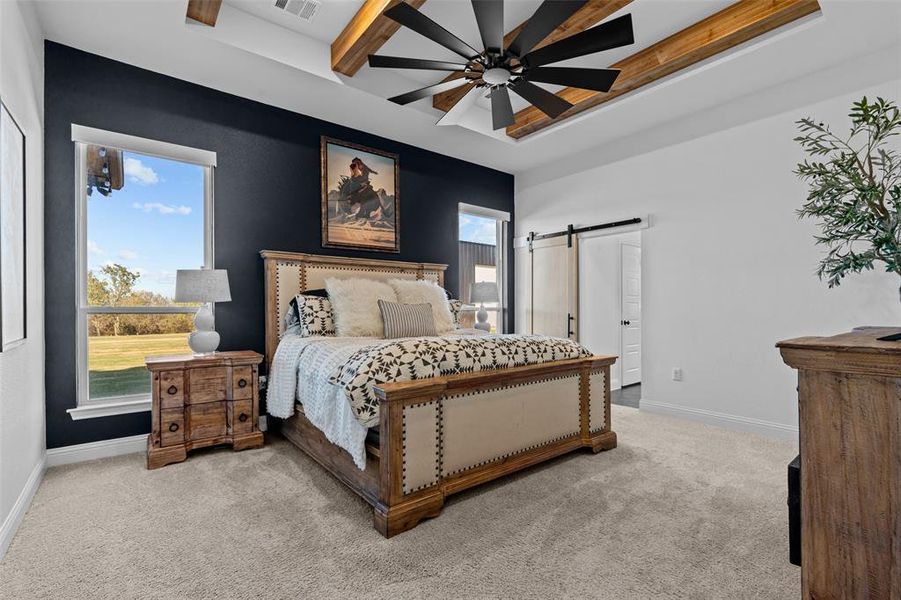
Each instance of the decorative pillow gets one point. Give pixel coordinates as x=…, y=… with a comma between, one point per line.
x=456, y=307
x=426, y=292
x=315, y=315
x=293, y=304
x=355, y=306
x=407, y=320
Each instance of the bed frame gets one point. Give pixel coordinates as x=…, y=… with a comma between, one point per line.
x=443, y=435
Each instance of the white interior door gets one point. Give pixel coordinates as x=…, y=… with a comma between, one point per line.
x=553, y=302
x=631, y=314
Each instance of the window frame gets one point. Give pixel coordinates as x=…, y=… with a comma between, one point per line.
x=502, y=223
x=82, y=137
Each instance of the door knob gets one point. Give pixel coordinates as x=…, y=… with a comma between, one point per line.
x=627, y=322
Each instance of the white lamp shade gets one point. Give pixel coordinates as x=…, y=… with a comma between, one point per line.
x=483, y=291
x=202, y=285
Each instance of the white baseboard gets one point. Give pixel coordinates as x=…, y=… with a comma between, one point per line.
x=90, y=451
x=15, y=516
x=710, y=417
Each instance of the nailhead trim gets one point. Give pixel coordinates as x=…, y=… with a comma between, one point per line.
x=515, y=452
x=407, y=490
x=595, y=372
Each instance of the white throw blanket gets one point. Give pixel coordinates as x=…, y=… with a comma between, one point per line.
x=301, y=370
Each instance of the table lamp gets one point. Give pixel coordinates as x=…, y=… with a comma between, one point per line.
x=482, y=292
x=206, y=286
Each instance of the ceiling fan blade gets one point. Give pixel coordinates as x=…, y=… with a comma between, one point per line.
x=409, y=17
x=600, y=80
x=455, y=114
x=400, y=62
x=549, y=16
x=550, y=104
x=490, y=17
x=501, y=109
x=606, y=36
x=428, y=91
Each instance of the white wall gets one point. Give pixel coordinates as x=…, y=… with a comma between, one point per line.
x=600, y=294
x=22, y=367
x=728, y=269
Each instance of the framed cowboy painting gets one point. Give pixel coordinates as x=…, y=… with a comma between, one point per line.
x=360, y=197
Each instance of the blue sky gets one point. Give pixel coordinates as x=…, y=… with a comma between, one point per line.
x=153, y=225
x=478, y=229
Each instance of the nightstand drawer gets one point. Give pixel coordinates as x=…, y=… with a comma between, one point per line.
x=172, y=385
x=207, y=385
x=206, y=420
x=242, y=416
x=242, y=383
x=172, y=427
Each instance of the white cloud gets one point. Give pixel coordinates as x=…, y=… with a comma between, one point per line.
x=163, y=209
x=93, y=248
x=126, y=254
x=138, y=172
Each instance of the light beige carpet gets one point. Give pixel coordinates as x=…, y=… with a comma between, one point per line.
x=679, y=510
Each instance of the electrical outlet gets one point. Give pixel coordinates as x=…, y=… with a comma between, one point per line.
x=263, y=423
x=263, y=381
x=677, y=374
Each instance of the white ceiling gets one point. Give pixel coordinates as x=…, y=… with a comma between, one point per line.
x=258, y=52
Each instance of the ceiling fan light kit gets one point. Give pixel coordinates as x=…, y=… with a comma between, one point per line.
x=499, y=70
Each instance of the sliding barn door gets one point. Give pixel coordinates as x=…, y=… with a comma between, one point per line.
x=549, y=276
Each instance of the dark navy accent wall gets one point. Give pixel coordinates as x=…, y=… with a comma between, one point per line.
x=267, y=197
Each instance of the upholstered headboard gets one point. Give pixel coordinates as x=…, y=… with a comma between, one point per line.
x=289, y=273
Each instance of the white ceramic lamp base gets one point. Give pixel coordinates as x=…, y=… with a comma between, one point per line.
x=482, y=317
x=205, y=339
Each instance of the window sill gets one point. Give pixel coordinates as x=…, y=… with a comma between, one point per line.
x=109, y=409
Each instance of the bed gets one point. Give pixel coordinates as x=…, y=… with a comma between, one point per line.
x=433, y=436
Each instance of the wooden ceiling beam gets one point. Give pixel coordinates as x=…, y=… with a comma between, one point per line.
x=591, y=14
x=364, y=35
x=204, y=11
x=730, y=27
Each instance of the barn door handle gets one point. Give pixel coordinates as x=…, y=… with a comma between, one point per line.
x=569, y=321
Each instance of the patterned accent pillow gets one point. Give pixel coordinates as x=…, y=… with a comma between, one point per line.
x=407, y=320
x=315, y=315
x=456, y=307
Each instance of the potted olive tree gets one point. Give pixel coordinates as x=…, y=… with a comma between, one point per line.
x=854, y=190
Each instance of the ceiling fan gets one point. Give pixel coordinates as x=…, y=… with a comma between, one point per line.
x=516, y=67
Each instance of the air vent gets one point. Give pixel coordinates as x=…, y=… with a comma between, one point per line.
x=302, y=9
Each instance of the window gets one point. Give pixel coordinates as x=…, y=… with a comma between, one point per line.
x=144, y=211
x=482, y=241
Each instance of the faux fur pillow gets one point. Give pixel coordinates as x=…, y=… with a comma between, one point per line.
x=355, y=306
x=426, y=292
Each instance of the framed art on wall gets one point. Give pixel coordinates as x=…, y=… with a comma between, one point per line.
x=12, y=231
x=360, y=197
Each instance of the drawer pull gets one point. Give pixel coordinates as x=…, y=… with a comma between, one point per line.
x=172, y=390
x=242, y=383
x=242, y=417
x=173, y=427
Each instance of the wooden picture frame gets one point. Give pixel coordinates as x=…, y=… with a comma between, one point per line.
x=13, y=306
x=359, y=211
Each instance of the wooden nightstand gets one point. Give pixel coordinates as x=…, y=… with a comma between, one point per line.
x=201, y=401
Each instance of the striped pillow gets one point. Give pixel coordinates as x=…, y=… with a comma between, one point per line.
x=407, y=320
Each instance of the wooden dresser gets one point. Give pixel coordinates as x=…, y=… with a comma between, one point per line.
x=200, y=401
x=849, y=404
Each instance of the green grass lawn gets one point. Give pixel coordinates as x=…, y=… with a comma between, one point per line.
x=116, y=363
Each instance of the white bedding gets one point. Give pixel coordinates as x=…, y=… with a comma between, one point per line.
x=301, y=370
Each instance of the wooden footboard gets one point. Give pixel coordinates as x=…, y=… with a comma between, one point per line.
x=444, y=435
